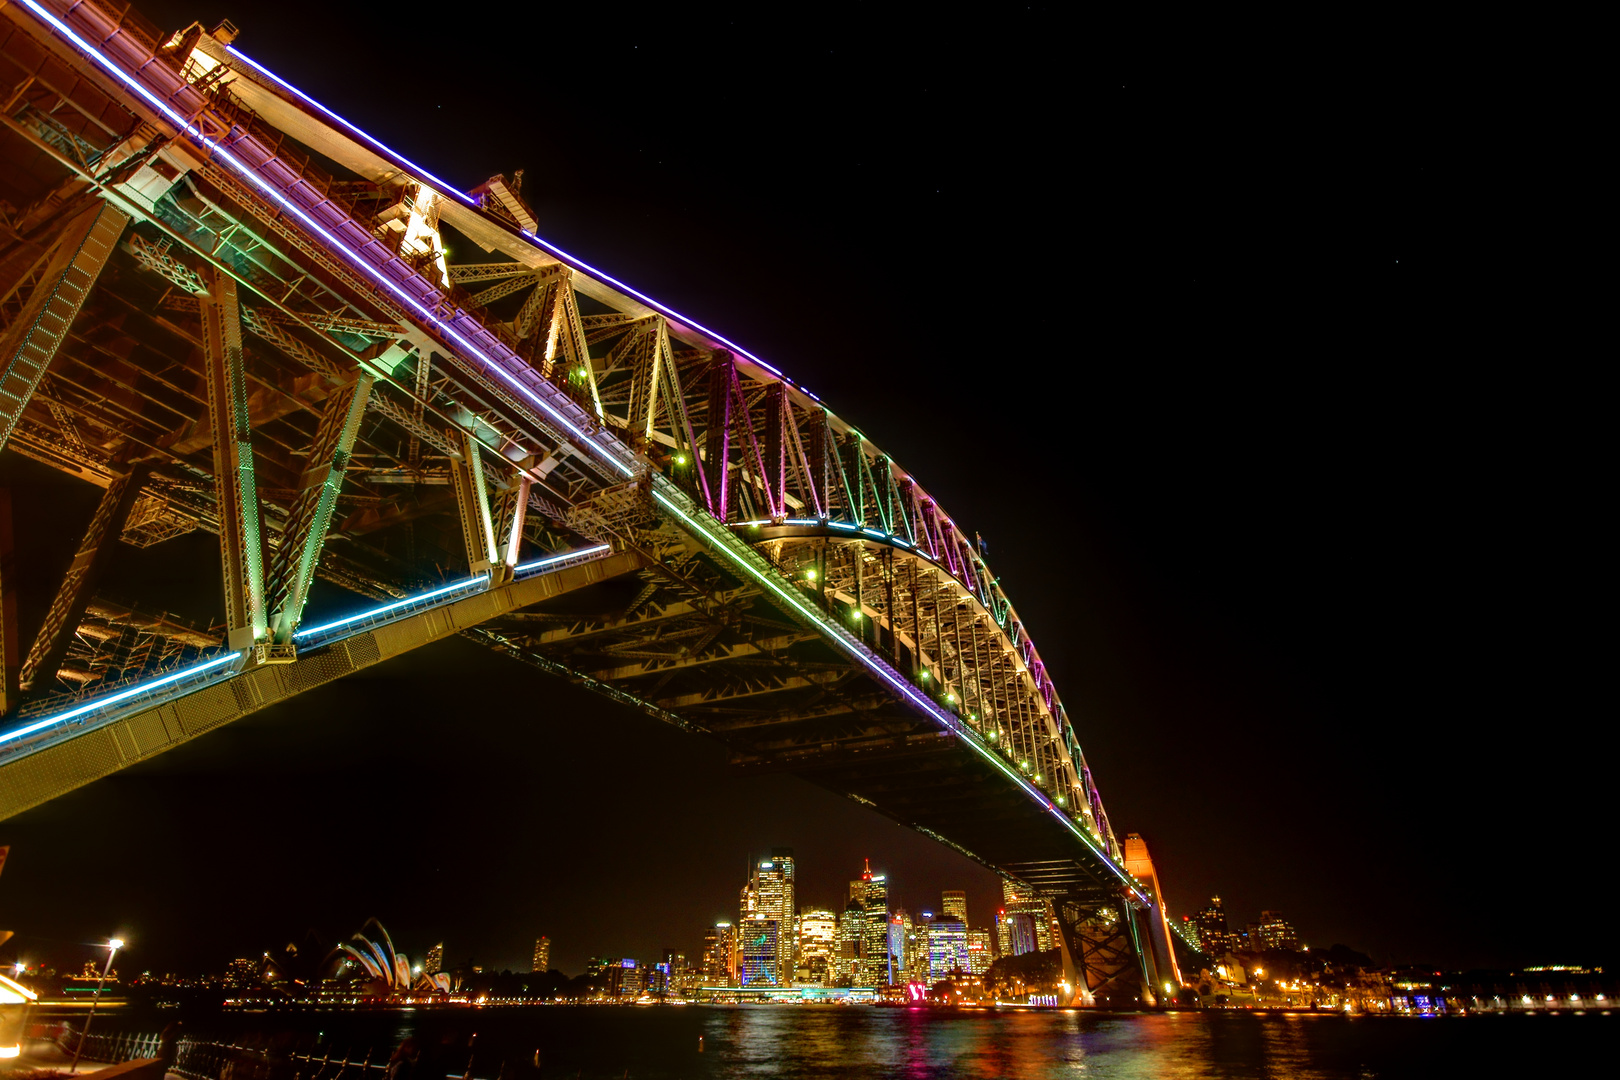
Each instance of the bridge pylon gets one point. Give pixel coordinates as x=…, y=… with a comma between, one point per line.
x=1108, y=959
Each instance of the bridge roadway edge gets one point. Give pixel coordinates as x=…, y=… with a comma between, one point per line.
x=58, y=768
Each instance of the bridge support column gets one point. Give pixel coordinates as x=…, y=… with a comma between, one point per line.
x=73, y=595
x=472, y=498
x=292, y=568
x=512, y=511
x=57, y=284
x=235, y=490
x=1107, y=958
x=10, y=647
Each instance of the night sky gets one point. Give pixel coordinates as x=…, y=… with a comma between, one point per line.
x=1290, y=499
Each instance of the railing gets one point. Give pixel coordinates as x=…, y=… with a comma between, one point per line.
x=197, y=1059
x=32, y=736
x=108, y=707
x=111, y=1049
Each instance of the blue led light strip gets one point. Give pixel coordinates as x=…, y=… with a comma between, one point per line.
x=476, y=579
x=599, y=549
x=113, y=699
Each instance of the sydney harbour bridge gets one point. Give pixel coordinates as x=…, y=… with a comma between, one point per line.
x=231, y=311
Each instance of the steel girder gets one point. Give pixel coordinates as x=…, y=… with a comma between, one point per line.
x=50, y=294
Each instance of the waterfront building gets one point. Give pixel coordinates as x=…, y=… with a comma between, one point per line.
x=239, y=974
x=1273, y=932
x=760, y=952
x=632, y=978
x=1210, y=922
x=596, y=965
x=718, y=965
x=542, y=954
x=953, y=904
x=435, y=960
x=817, y=946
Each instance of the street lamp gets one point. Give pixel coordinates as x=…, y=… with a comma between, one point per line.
x=113, y=945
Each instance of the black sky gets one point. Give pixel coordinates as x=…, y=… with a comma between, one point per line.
x=1291, y=500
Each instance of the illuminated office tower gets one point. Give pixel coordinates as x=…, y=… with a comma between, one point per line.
x=916, y=967
x=947, y=948
x=719, y=953
x=1210, y=921
x=435, y=960
x=979, y=951
x=872, y=892
x=1018, y=900
x=851, y=932
x=897, y=947
x=542, y=955
x=1015, y=933
x=769, y=895
x=632, y=978
x=818, y=946
x=953, y=905
x=760, y=941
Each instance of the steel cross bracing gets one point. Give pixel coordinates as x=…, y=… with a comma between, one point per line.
x=286, y=359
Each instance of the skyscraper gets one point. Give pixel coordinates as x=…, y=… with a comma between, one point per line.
x=769, y=895
x=947, y=948
x=953, y=904
x=979, y=951
x=719, y=955
x=435, y=960
x=872, y=892
x=851, y=935
x=542, y=954
x=760, y=951
x=1210, y=922
x=818, y=946
x=1017, y=899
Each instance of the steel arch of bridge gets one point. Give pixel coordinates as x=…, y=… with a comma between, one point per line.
x=643, y=506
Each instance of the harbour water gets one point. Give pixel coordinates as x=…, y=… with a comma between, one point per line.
x=918, y=1044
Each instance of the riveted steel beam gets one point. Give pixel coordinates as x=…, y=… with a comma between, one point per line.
x=472, y=500
x=61, y=280
x=78, y=584
x=292, y=568
x=236, y=490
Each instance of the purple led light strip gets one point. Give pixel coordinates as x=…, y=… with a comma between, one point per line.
x=536, y=240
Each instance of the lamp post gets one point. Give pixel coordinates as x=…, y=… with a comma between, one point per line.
x=113, y=945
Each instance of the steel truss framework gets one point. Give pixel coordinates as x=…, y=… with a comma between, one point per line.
x=286, y=359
